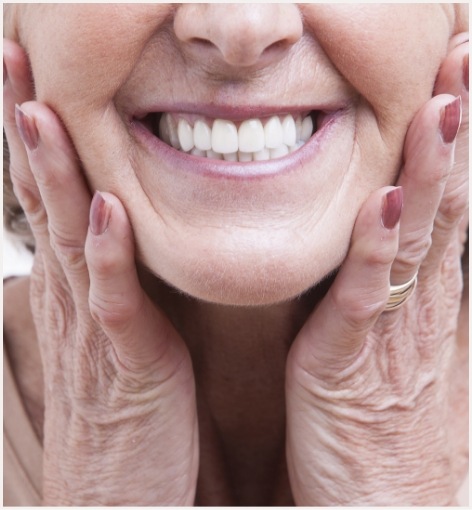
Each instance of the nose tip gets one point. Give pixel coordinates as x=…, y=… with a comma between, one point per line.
x=239, y=35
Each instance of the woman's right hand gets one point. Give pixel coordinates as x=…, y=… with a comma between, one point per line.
x=120, y=414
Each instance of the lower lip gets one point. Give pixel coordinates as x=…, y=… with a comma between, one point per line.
x=237, y=170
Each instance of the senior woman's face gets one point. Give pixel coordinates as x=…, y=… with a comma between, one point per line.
x=131, y=81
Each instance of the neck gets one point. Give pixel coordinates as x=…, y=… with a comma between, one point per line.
x=239, y=356
x=232, y=342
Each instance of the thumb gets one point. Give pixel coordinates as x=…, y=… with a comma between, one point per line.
x=335, y=332
x=142, y=336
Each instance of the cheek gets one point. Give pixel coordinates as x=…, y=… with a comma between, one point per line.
x=90, y=48
x=389, y=53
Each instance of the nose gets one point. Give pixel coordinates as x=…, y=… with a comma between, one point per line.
x=238, y=35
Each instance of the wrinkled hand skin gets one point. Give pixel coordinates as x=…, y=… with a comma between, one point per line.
x=377, y=402
x=373, y=398
x=113, y=364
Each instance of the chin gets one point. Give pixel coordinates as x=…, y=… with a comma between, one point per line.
x=247, y=276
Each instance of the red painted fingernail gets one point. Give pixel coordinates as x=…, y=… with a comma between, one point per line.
x=450, y=120
x=27, y=128
x=392, y=208
x=465, y=71
x=100, y=212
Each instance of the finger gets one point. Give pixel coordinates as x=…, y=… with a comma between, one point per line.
x=63, y=190
x=335, y=333
x=140, y=333
x=17, y=88
x=428, y=156
x=453, y=75
x=453, y=78
x=451, y=221
x=18, y=84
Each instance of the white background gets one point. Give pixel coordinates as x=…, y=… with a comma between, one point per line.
x=17, y=260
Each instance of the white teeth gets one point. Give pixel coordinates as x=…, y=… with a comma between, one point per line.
x=164, y=128
x=281, y=150
x=307, y=129
x=224, y=136
x=198, y=152
x=262, y=155
x=202, y=136
x=254, y=140
x=214, y=155
x=168, y=131
x=244, y=156
x=274, y=134
x=185, y=133
x=290, y=131
x=251, y=136
x=232, y=156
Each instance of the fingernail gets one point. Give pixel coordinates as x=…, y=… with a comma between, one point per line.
x=392, y=208
x=27, y=128
x=450, y=120
x=100, y=212
x=465, y=72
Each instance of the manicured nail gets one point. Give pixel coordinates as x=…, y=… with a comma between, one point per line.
x=392, y=208
x=27, y=128
x=465, y=71
x=450, y=120
x=100, y=212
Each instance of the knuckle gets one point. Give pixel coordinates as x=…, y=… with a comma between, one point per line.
x=379, y=258
x=375, y=256
x=357, y=308
x=27, y=195
x=59, y=314
x=112, y=312
x=106, y=261
x=453, y=206
x=37, y=214
x=106, y=265
x=68, y=252
x=413, y=249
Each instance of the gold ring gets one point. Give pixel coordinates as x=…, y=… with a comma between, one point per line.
x=399, y=294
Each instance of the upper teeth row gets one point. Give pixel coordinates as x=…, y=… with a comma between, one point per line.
x=255, y=139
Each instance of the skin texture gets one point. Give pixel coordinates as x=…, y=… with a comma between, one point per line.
x=363, y=402
x=170, y=210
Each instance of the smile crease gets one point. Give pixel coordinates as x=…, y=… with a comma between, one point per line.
x=255, y=139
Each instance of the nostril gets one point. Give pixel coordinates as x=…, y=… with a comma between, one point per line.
x=202, y=42
x=276, y=48
x=238, y=35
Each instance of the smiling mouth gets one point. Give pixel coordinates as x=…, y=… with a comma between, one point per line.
x=254, y=139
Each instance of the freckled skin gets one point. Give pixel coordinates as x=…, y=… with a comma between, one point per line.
x=291, y=232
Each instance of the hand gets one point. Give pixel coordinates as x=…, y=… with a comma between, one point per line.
x=120, y=413
x=370, y=394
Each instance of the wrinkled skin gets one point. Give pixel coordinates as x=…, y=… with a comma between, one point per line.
x=373, y=399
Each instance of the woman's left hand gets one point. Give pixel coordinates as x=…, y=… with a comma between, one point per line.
x=371, y=394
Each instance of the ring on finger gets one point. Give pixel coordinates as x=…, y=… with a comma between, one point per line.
x=399, y=294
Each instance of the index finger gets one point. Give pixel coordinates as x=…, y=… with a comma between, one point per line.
x=64, y=192
x=17, y=88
